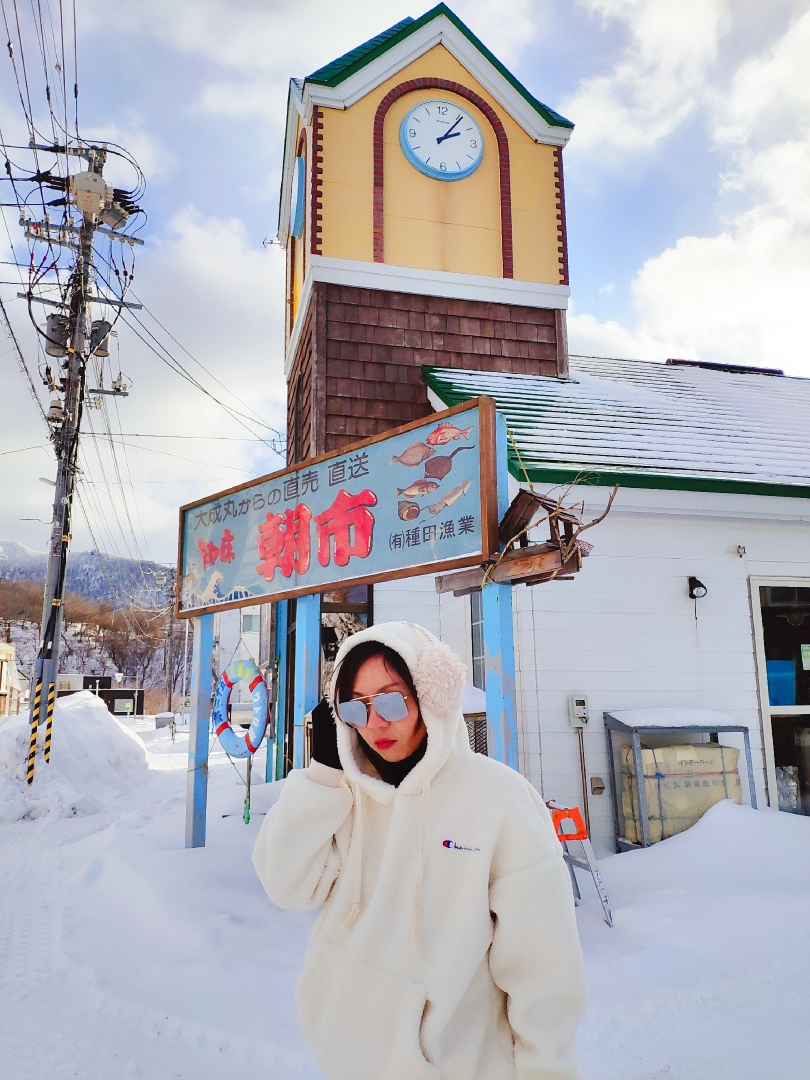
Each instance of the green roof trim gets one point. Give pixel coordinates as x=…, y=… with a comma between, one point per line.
x=343, y=67
x=654, y=481
x=335, y=72
x=524, y=469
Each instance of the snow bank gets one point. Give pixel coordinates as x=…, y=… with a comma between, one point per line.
x=731, y=848
x=702, y=975
x=93, y=758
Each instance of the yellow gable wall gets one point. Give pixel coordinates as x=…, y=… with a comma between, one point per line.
x=432, y=224
x=439, y=224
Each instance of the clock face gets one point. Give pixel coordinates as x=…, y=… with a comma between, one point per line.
x=441, y=140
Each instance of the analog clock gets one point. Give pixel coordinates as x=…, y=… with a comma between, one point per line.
x=441, y=140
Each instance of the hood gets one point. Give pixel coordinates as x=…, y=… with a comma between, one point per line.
x=439, y=678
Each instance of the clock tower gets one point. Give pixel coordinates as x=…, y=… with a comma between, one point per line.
x=423, y=215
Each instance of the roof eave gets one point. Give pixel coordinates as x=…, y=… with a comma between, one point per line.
x=295, y=108
x=440, y=26
x=654, y=481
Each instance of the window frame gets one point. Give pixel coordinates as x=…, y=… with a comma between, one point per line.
x=766, y=710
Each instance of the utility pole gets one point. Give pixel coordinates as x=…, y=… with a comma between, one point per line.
x=170, y=644
x=72, y=338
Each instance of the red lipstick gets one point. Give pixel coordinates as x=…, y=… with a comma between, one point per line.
x=384, y=744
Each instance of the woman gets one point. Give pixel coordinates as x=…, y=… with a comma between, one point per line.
x=447, y=947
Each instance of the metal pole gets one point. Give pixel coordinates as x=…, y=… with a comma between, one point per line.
x=641, y=786
x=282, y=610
x=185, y=665
x=615, y=787
x=170, y=649
x=584, y=773
x=499, y=671
x=752, y=789
x=499, y=642
x=199, y=724
x=307, y=668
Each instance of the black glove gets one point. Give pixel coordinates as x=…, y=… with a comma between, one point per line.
x=324, y=736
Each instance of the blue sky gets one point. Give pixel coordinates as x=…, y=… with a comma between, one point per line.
x=687, y=185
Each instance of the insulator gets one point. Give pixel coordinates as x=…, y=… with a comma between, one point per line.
x=57, y=328
x=100, y=337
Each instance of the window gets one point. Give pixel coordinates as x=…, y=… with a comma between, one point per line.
x=786, y=632
x=782, y=627
x=343, y=612
x=250, y=622
x=477, y=625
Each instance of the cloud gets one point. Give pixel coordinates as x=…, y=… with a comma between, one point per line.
x=217, y=293
x=256, y=46
x=587, y=336
x=659, y=77
x=739, y=295
x=154, y=158
x=768, y=88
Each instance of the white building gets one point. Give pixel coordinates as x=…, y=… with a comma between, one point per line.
x=714, y=474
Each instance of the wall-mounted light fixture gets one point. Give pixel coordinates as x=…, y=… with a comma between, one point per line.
x=697, y=590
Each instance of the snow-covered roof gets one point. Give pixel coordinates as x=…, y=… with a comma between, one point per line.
x=674, y=718
x=341, y=69
x=645, y=424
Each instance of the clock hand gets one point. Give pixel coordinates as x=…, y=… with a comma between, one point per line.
x=448, y=136
x=447, y=133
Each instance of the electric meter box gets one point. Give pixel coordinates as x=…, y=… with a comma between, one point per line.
x=578, y=710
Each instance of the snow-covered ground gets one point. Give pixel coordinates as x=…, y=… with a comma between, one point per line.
x=122, y=954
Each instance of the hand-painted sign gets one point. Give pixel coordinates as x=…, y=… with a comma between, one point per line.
x=417, y=500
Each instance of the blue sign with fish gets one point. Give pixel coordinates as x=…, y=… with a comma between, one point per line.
x=420, y=499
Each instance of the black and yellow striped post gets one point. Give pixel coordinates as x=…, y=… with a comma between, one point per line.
x=32, y=746
x=49, y=720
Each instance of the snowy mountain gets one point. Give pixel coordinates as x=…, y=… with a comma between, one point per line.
x=91, y=574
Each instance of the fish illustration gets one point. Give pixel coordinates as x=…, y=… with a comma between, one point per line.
x=408, y=510
x=418, y=487
x=445, y=433
x=451, y=497
x=438, y=467
x=414, y=455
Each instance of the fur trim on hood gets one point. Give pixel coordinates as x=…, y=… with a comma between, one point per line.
x=438, y=677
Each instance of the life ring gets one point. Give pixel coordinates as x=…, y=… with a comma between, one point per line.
x=240, y=746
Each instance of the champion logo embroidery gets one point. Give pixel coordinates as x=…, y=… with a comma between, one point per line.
x=458, y=847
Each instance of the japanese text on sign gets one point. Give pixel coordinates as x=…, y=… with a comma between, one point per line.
x=408, y=502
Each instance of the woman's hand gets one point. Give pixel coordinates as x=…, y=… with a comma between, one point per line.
x=324, y=736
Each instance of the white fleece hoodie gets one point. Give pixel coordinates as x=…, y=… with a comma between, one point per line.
x=447, y=946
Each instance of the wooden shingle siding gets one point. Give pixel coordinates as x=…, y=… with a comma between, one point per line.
x=300, y=398
x=367, y=348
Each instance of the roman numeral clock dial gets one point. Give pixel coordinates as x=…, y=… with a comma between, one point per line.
x=441, y=140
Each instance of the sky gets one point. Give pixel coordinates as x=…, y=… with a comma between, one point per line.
x=687, y=190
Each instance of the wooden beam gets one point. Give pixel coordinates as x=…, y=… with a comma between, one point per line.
x=465, y=581
x=533, y=560
x=528, y=506
x=523, y=566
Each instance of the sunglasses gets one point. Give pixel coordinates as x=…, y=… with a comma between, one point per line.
x=391, y=707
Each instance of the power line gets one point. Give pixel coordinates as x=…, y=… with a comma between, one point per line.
x=205, y=438
x=182, y=371
x=38, y=446
x=165, y=453
x=21, y=359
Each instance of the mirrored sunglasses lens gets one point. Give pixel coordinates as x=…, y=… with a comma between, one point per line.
x=353, y=712
x=391, y=707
